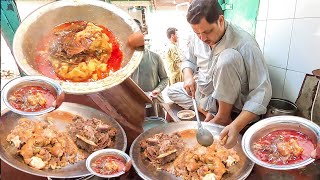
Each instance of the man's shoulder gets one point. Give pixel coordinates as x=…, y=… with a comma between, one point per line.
x=152, y=53
x=241, y=39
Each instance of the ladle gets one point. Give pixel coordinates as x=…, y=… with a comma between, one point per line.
x=204, y=137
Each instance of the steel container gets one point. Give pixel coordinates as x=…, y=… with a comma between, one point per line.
x=44, y=19
x=279, y=107
x=41, y=81
x=265, y=126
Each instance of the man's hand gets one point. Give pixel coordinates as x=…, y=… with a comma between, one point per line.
x=189, y=84
x=136, y=39
x=231, y=131
x=229, y=136
x=154, y=94
x=316, y=153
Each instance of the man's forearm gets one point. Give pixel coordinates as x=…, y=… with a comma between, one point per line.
x=187, y=73
x=244, y=118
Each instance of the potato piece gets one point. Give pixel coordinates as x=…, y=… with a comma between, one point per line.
x=103, y=67
x=64, y=69
x=76, y=72
x=92, y=65
x=83, y=66
x=95, y=77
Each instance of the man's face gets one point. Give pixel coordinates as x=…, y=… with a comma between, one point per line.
x=175, y=37
x=209, y=33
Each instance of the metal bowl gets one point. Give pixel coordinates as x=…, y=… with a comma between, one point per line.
x=114, y=152
x=191, y=114
x=265, y=126
x=16, y=84
x=44, y=19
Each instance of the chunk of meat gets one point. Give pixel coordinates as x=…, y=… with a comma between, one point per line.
x=91, y=134
x=162, y=148
x=43, y=146
x=289, y=148
x=37, y=163
x=205, y=162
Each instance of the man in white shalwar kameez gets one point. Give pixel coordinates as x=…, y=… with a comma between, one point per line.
x=225, y=71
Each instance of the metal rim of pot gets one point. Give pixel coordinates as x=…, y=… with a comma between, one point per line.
x=283, y=111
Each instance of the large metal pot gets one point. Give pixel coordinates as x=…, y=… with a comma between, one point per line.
x=265, y=126
x=278, y=107
x=42, y=20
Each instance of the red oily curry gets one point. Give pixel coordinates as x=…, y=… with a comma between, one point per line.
x=283, y=147
x=31, y=99
x=108, y=165
x=78, y=51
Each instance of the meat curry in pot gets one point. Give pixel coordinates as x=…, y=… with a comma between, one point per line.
x=78, y=51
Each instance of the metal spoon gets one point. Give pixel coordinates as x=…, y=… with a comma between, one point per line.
x=204, y=137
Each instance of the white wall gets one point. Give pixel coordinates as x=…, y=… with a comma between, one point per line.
x=288, y=32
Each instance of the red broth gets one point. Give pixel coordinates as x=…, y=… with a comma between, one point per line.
x=266, y=148
x=42, y=56
x=19, y=99
x=108, y=164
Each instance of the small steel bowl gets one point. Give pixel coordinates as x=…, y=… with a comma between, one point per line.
x=191, y=114
x=265, y=126
x=41, y=81
x=114, y=152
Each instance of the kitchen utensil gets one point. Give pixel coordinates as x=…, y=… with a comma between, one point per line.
x=186, y=114
x=45, y=18
x=114, y=152
x=265, y=126
x=279, y=107
x=47, y=83
x=61, y=118
x=204, y=137
x=148, y=172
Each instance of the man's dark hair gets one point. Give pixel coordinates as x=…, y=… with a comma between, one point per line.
x=171, y=31
x=139, y=23
x=198, y=9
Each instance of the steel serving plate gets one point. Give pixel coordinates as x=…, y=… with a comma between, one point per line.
x=113, y=152
x=62, y=116
x=265, y=126
x=190, y=114
x=41, y=81
x=45, y=18
x=146, y=171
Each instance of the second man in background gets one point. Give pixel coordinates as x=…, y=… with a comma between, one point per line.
x=173, y=57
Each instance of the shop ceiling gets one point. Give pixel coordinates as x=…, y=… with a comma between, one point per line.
x=155, y=4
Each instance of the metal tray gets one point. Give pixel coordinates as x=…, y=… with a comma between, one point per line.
x=149, y=172
x=62, y=116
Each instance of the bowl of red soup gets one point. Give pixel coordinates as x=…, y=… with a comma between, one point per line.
x=80, y=44
x=32, y=95
x=108, y=163
x=281, y=142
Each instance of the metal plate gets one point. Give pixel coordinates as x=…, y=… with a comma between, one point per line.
x=63, y=116
x=147, y=171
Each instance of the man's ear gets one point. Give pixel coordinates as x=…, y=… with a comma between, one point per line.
x=221, y=20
